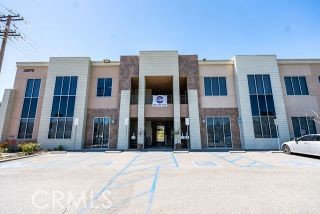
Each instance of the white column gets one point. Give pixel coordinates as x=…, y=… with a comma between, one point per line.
x=124, y=114
x=195, y=137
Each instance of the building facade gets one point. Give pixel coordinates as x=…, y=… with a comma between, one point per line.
x=160, y=99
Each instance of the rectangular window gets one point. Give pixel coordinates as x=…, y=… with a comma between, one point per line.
x=303, y=126
x=100, y=132
x=215, y=86
x=104, y=87
x=296, y=85
x=29, y=109
x=62, y=110
x=262, y=106
x=219, y=132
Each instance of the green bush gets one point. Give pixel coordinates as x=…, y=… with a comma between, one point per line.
x=29, y=148
x=8, y=146
x=60, y=148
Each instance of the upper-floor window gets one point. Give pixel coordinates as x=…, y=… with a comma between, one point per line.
x=215, y=86
x=62, y=110
x=262, y=106
x=296, y=85
x=29, y=109
x=104, y=87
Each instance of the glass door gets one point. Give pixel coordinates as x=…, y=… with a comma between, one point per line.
x=100, y=132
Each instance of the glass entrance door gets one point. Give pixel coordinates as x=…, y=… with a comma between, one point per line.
x=219, y=132
x=100, y=132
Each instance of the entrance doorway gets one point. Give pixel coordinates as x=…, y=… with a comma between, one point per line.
x=159, y=133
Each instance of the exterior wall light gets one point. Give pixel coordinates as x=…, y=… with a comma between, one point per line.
x=203, y=121
x=106, y=61
x=113, y=121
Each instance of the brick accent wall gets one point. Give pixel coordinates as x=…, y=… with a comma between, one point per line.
x=232, y=113
x=129, y=67
x=189, y=67
x=113, y=114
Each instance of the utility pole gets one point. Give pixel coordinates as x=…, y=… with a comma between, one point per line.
x=7, y=32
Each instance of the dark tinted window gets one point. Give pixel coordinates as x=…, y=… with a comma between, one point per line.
x=296, y=86
x=55, y=106
x=29, y=129
x=316, y=138
x=63, y=106
x=257, y=127
x=25, y=108
x=68, y=128
x=262, y=105
x=65, y=86
x=33, y=108
x=70, y=110
x=60, y=128
x=254, y=105
x=223, y=86
x=36, y=88
x=270, y=105
x=252, y=84
x=259, y=84
x=73, y=85
x=296, y=126
x=303, y=86
x=100, y=87
x=52, y=128
x=58, y=86
x=29, y=109
x=215, y=86
x=312, y=126
x=305, y=138
x=267, y=84
x=288, y=83
x=107, y=87
x=29, y=88
x=22, y=128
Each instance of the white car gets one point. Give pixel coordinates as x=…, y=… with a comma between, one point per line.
x=307, y=144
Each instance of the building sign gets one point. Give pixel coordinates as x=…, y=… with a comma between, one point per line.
x=159, y=100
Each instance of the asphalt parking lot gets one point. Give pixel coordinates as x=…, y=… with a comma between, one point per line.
x=161, y=182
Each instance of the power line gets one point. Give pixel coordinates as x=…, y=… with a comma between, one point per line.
x=12, y=44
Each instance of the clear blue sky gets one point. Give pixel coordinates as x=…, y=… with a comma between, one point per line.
x=212, y=29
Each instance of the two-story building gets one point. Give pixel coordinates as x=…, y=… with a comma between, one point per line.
x=160, y=99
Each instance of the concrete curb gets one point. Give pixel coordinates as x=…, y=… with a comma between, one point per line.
x=115, y=151
x=21, y=157
x=237, y=152
x=276, y=152
x=58, y=152
x=180, y=152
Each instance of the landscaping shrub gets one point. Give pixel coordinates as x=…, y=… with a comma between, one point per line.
x=29, y=147
x=9, y=146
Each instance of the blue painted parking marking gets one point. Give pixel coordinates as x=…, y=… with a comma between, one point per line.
x=296, y=163
x=144, y=168
x=206, y=164
x=241, y=161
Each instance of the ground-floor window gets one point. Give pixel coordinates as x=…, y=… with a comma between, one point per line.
x=101, y=127
x=303, y=126
x=219, y=132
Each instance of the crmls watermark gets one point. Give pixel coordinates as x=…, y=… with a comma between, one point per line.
x=59, y=199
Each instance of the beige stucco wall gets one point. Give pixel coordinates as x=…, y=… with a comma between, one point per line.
x=103, y=72
x=299, y=105
x=20, y=87
x=229, y=101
